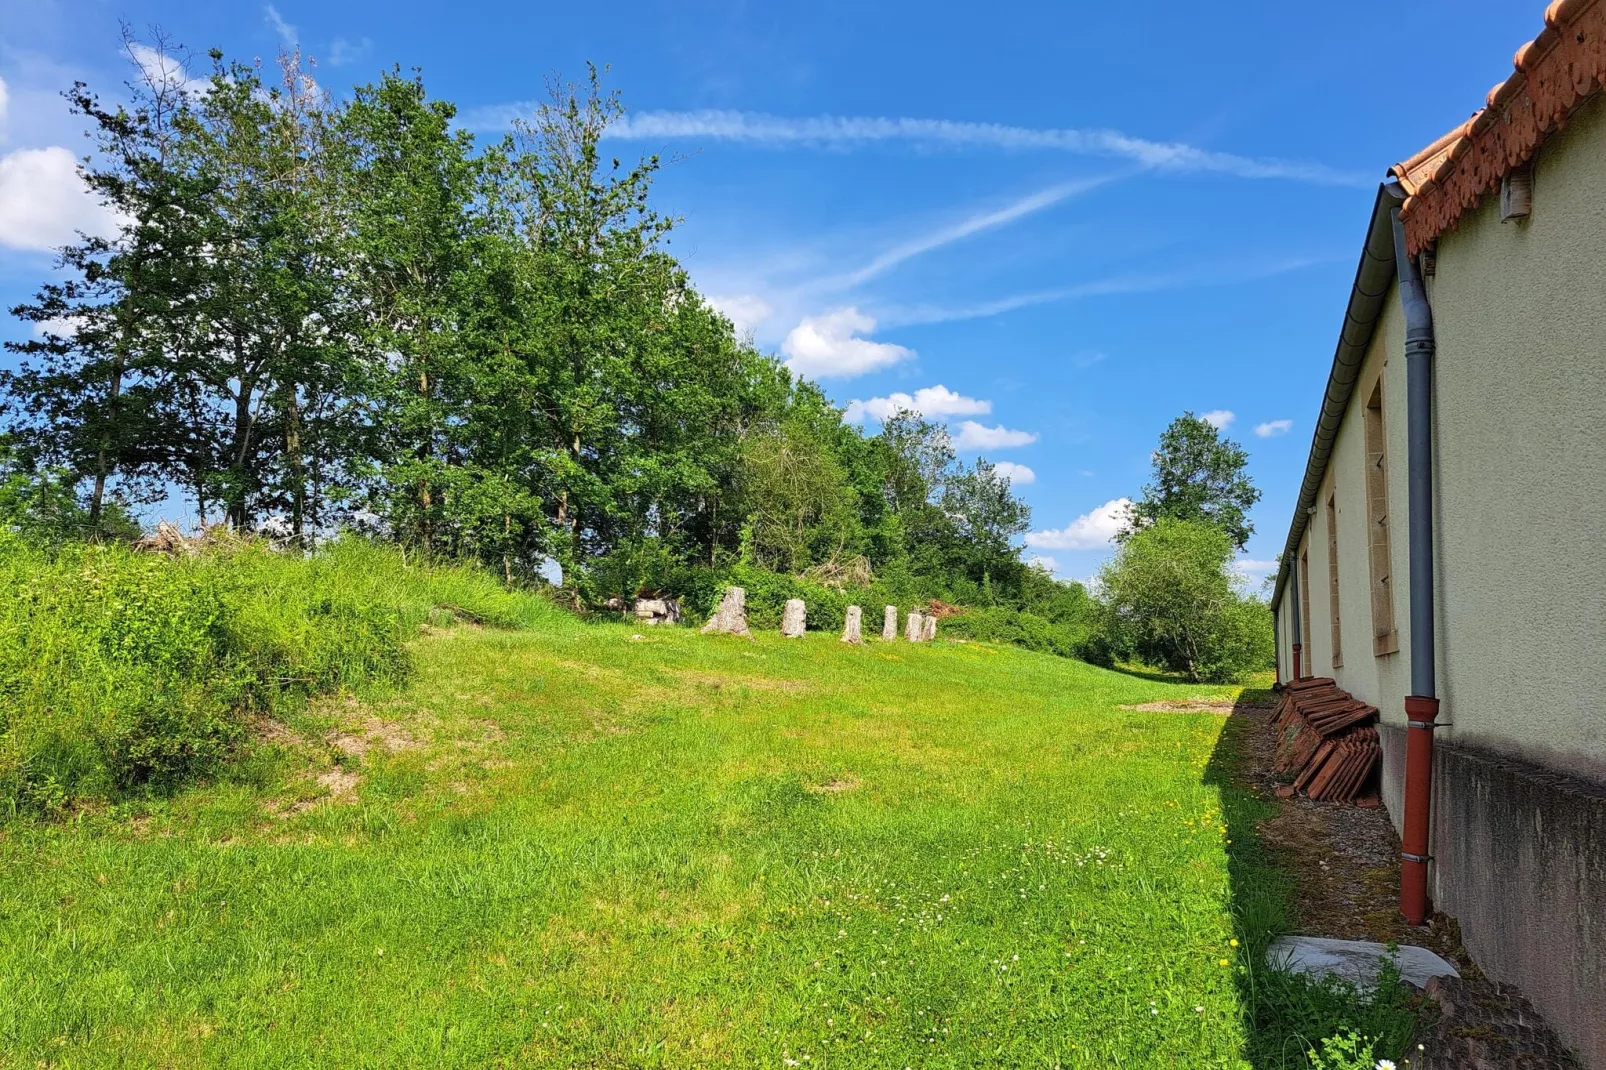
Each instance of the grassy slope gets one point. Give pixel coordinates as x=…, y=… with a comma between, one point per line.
x=588, y=850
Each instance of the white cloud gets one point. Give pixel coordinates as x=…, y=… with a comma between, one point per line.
x=1091, y=531
x=827, y=346
x=43, y=201
x=1218, y=418
x=745, y=311
x=62, y=327
x=1273, y=428
x=162, y=71
x=1044, y=562
x=5, y=102
x=1248, y=566
x=286, y=32
x=974, y=224
x=1018, y=474
x=975, y=436
x=342, y=51
x=927, y=401
x=843, y=131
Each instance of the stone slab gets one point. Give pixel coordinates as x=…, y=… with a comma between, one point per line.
x=1356, y=961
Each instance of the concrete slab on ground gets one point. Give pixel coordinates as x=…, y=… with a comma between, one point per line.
x=1355, y=961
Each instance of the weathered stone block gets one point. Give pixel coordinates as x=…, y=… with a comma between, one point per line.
x=731, y=616
x=851, y=625
x=889, y=624
x=794, y=619
x=914, y=628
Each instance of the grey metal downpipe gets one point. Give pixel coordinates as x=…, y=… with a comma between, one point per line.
x=1298, y=644
x=1419, y=351
x=1422, y=705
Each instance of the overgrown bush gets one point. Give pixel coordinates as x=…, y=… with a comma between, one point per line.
x=123, y=672
x=1175, y=602
x=1002, y=624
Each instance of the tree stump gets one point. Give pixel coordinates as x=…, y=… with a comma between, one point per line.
x=731, y=616
x=914, y=629
x=928, y=628
x=851, y=625
x=793, y=619
x=889, y=625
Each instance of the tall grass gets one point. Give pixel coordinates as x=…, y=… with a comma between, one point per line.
x=123, y=672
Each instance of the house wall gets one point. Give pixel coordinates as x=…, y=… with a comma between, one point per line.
x=1520, y=311
x=1519, y=808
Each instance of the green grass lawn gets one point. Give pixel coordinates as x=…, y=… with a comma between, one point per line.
x=571, y=847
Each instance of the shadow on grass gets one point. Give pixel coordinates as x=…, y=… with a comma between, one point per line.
x=1285, y=1016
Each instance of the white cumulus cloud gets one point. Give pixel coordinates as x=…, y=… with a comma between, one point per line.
x=1218, y=418
x=927, y=401
x=1249, y=566
x=43, y=201
x=829, y=346
x=745, y=311
x=1044, y=562
x=1017, y=474
x=1273, y=428
x=975, y=436
x=5, y=103
x=1093, y=530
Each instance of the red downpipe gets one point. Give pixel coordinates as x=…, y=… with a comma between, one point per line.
x=1421, y=713
x=1297, y=674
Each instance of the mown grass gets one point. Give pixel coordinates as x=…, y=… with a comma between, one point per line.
x=588, y=846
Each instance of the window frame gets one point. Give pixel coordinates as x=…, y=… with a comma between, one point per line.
x=1379, y=545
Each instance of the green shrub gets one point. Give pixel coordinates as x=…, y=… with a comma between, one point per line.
x=123, y=672
x=1002, y=624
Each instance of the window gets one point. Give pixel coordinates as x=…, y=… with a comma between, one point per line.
x=1385, y=640
x=1304, y=607
x=1332, y=577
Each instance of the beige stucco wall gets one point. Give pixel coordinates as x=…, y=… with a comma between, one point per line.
x=1520, y=478
x=1520, y=312
x=1382, y=681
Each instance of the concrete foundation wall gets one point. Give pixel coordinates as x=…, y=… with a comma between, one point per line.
x=1520, y=862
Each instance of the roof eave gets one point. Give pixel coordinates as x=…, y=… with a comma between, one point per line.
x=1368, y=294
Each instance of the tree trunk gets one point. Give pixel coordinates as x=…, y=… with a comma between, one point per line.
x=103, y=462
x=298, y=476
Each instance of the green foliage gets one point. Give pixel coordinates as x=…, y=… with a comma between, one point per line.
x=1003, y=624
x=1331, y=1023
x=125, y=673
x=1346, y=1051
x=1173, y=599
x=1199, y=476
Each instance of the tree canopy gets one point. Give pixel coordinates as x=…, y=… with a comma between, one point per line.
x=324, y=312
x=1199, y=475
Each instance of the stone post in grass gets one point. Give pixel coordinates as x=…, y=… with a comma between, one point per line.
x=851, y=625
x=914, y=628
x=928, y=628
x=793, y=619
x=731, y=616
x=889, y=625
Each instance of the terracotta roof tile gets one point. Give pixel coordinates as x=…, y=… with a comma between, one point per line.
x=1554, y=74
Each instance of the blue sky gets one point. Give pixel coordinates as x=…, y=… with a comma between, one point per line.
x=1056, y=226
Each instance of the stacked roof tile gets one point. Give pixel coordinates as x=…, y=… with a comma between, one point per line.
x=1326, y=741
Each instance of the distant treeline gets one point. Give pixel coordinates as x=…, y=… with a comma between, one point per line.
x=326, y=311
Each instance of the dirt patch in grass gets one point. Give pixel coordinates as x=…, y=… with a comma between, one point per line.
x=1344, y=858
x=372, y=732
x=1223, y=707
x=836, y=785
